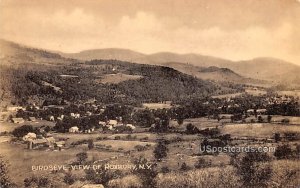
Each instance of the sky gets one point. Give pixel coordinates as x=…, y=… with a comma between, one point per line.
x=231, y=29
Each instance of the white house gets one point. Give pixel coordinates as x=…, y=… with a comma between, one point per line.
x=261, y=111
x=14, y=108
x=74, y=129
x=131, y=126
x=102, y=123
x=33, y=119
x=112, y=122
x=51, y=118
x=18, y=120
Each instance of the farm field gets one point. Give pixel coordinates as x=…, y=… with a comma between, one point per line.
x=258, y=129
x=117, y=78
x=8, y=127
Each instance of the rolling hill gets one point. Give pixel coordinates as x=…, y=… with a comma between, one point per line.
x=30, y=75
x=273, y=70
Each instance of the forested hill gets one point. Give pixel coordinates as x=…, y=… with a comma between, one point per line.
x=53, y=78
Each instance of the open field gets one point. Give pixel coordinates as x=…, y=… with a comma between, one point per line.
x=8, y=127
x=117, y=78
x=258, y=129
x=202, y=123
x=295, y=93
x=157, y=105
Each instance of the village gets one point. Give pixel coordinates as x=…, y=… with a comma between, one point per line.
x=95, y=133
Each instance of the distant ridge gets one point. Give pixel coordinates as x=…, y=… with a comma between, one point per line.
x=263, y=68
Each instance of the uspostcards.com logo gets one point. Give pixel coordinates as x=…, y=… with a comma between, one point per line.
x=236, y=149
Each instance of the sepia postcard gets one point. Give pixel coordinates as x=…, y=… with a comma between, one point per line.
x=149, y=93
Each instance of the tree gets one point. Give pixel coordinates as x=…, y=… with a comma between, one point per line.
x=144, y=118
x=160, y=151
x=180, y=121
x=191, y=129
x=147, y=175
x=37, y=182
x=184, y=167
x=101, y=175
x=283, y=152
x=254, y=168
x=69, y=179
x=202, y=163
x=90, y=144
x=5, y=181
x=23, y=130
x=81, y=157
x=260, y=119
x=269, y=118
x=277, y=137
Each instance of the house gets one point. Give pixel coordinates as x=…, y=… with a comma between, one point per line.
x=61, y=117
x=261, y=111
x=112, y=123
x=33, y=119
x=14, y=108
x=51, y=118
x=59, y=144
x=42, y=142
x=74, y=129
x=250, y=111
x=18, y=120
x=131, y=126
x=59, y=107
x=75, y=115
x=102, y=123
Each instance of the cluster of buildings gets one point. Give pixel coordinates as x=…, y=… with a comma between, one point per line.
x=38, y=141
x=109, y=125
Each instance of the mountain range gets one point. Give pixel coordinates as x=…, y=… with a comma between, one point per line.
x=269, y=69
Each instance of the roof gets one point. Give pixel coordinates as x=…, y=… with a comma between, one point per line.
x=40, y=141
x=60, y=143
x=50, y=139
x=17, y=119
x=32, y=118
x=112, y=122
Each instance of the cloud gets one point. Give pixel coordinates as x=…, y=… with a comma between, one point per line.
x=79, y=28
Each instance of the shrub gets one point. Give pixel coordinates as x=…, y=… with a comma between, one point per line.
x=191, y=129
x=165, y=169
x=81, y=157
x=160, y=151
x=254, y=169
x=140, y=147
x=90, y=144
x=69, y=179
x=4, y=178
x=101, y=176
x=202, y=163
x=23, y=130
x=126, y=182
x=208, y=178
x=146, y=175
x=285, y=121
x=37, y=182
x=277, y=137
x=283, y=152
x=184, y=167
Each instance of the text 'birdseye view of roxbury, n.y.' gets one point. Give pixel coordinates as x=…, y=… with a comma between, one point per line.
x=150, y=94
